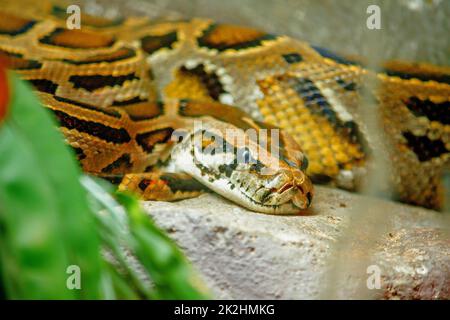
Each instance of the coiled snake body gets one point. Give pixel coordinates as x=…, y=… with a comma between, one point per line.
x=105, y=83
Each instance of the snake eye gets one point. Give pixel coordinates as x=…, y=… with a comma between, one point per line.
x=291, y=163
x=305, y=163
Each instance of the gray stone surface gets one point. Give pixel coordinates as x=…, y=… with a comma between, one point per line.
x=323, y=253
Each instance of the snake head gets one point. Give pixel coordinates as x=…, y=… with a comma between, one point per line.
x=269, y=181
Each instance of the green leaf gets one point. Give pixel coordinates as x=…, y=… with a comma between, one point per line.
x=46, y=221
x=169, y=270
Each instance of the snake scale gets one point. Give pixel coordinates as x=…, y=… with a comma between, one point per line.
x=122, y=89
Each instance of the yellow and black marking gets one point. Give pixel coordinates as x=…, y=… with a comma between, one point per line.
x=346, y=84
x=297, y=105
x=182, y=184
x=77, y=39
x=128, y=102
x=420, y=71
x=152, y=44
x=190, y=108
x=117, y=55
x=143, y=110
x=44, y=85
x=162, y=186
x=425, y=148
x=148, y=140
x=209, y=80
x=224, y=37
x=318, y=104
x=334, y=56
x=95, y=129
x=120, y=165
x=106, y=111
x=95, y=82
x=79, y=153
x=16, y=61
x=12, y=25
x=434, y=111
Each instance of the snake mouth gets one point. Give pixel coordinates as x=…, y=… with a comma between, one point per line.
x=299, y=198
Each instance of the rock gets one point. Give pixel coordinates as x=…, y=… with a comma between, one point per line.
x=343, y=247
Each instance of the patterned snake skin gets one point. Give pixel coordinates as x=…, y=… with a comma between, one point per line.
x=102, y=82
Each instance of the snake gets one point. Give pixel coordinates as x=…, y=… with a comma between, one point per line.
x=150, y=105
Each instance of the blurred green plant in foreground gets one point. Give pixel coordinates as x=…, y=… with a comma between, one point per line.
x=52, y=217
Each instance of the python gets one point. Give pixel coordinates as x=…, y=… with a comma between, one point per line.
x=120, y=88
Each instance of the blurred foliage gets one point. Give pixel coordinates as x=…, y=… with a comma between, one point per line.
x=48, y=222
